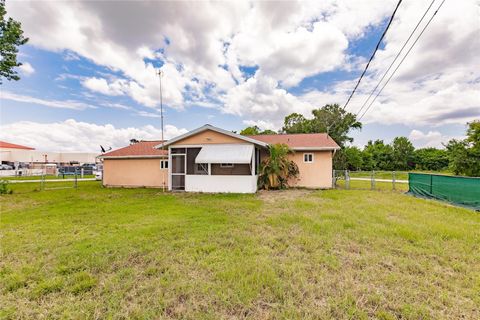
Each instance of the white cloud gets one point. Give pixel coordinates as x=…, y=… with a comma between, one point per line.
x=70, y=56
x=203, y=46
x=64, y=104
x=264, y=125
x=439, y=81
x=26, y=69
x=101, y=85
x=260, y=98
x=58, y=136
x=429, y=139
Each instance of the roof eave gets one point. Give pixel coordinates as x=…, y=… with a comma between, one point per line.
x=315, y=148
x=134, y=157
x=210, y=127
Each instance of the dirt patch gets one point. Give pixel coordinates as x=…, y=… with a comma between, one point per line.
x=272, y=196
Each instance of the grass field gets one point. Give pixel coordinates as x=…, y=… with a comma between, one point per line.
x=142, y=254
x=379, y=185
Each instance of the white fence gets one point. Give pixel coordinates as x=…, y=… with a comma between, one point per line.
x=21, y=172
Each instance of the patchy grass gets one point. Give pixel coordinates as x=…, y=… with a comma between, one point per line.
x=141, y=253
x=379, y=185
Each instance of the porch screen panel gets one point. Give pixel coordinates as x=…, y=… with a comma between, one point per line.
x=178, y=182
x=191, y=155
x=178, y=164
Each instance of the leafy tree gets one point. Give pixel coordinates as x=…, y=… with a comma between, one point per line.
x=277, y=169
x=381, y=155
x=331, y=119
x=403, y=153
x=431, y=159
x=354, y=159
x=335, y=121
x=254, y=130
x=268, y=131
x=464, y=155
x=296, y=123
x=250, y=131
x=367, y=160
x=11, y=36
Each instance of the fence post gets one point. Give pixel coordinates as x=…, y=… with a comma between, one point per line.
x=333, y=179
x=347, y=180
x=42, y=182
x=75, y=184
x=81, y=173
x=393, y=180
x=372, y=180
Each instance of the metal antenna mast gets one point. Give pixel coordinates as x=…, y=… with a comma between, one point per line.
x=160, y=73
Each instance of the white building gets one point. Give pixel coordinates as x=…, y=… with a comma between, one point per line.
x=13, y=153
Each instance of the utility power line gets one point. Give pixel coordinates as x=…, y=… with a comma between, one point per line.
x=396, y=57
x=160, y=74
x=401, y=61
x=373, y=55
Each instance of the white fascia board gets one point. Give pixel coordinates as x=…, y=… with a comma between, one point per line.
x=315, y=148
x=210, y=127
x=133, y=157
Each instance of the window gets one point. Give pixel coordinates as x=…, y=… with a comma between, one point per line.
x=308, y=157
x=226, y=165
x=163, y=164
x=202, y=168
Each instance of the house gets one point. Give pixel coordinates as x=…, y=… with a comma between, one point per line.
x=210, y=159
x=139, y=165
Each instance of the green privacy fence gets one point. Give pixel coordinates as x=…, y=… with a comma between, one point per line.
x=462, y=191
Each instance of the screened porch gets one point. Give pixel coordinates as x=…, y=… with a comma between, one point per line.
x=215, y=168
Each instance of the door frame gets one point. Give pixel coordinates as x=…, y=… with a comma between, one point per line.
x=170, y=169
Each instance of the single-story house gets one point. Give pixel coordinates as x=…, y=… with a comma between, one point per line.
x=210, y=159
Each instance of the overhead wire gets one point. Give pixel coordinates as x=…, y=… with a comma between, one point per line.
x=373, y=55
x=396, y=57
x=401, y=61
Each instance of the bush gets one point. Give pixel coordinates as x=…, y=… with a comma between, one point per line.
x=4, y=189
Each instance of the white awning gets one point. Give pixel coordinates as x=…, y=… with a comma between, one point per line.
x=225, y=153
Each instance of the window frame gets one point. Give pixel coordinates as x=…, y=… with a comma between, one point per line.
x=306, y=157
x=202, y=167
x=227, y=165
x=164, y=164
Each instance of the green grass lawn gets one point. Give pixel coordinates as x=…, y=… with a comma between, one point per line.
x=379, y=185
x=297, y=254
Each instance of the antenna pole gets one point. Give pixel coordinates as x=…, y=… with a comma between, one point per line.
x=160, y=73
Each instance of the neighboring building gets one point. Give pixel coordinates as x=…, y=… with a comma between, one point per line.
x=13, y=153
x=211, y=159
x=138, y=165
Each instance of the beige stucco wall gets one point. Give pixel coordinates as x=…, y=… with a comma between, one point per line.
x=208, y=137
x=134, y=173
x=317, y=174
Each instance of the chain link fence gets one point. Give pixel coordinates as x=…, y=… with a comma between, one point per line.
x=370, y=180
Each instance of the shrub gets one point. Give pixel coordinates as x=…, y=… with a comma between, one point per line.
x=4, y=187
x=276, y=170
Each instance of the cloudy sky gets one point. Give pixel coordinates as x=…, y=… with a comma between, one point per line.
x=88, y=76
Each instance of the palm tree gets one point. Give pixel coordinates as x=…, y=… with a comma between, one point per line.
x=277, y=169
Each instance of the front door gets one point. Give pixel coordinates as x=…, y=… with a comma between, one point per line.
x=178, y=171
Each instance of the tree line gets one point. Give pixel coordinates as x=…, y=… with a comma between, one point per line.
x=461, y=157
